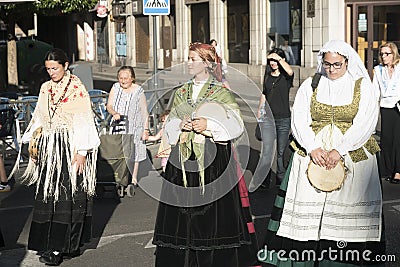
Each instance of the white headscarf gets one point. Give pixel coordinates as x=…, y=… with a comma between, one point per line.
x=355, y=66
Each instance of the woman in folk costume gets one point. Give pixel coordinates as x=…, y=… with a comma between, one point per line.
x=203, y=218
x=334, y=122
x=64, y=171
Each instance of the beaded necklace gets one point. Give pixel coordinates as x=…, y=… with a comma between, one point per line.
x=54, y=107
x=201, y=98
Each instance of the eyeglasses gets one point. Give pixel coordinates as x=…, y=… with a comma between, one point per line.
x=336, y=65
x=384, y=53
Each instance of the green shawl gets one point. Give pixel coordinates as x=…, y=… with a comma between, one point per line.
x=184, y=107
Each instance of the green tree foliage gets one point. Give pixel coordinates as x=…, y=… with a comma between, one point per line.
x=65, y=6
x=11, y=13
x=45, y=7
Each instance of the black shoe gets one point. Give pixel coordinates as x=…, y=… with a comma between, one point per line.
x=49, y=258
x=387, y=178
x=394, y=181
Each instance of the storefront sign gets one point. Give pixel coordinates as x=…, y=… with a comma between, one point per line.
x=101, y=11
x=137, y=7
x=362, y=22
x=310, y=8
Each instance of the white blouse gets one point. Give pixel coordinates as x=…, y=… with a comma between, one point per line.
x=337, y=92
x=389, y=88
x=228, y=129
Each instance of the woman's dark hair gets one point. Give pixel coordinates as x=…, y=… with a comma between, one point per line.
x=130, y=68
x=280, y=53
x=58, y=55
x=212, y=41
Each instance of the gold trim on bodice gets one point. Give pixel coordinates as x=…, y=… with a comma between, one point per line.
x=342, y=117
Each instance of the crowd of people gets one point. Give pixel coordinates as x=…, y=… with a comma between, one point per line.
x=332, y=122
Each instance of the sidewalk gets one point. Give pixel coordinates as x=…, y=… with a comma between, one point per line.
x=107, y=72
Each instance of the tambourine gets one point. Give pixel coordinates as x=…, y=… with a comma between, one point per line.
x=211, y=110
x=33, y=148
x=327, y=180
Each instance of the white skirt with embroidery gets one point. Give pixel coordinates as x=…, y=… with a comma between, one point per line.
x=352, y=213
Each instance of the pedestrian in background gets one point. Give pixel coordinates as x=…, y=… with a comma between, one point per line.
x=164, y=149
x=332, y=124
x=64, y=168
x=4, y=183
x=278, y=80
x=128, y=107
x=288, y=52
x=387, y=82
x=224, y=65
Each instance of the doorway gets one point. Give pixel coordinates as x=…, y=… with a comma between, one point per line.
x=372, y=25
x=200, y=23
x=142, y=40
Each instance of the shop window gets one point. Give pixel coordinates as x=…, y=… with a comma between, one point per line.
x=238, y=31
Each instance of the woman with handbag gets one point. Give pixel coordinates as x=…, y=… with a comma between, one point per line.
x=128, y=107
x=334, y=123
x=278, y=80
x=62, y=165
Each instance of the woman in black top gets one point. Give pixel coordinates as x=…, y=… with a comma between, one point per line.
x=278, y=80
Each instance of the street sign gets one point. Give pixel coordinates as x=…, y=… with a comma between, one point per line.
x=156, y=7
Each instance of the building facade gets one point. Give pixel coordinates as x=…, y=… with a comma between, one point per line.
x=245, y=31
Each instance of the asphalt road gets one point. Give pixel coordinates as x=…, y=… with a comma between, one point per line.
x=123, y=227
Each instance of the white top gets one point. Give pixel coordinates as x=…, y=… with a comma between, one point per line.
x=389, y=88
x=221, y=131
x=335, y=92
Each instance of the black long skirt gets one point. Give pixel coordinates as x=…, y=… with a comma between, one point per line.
x=64, y=225
x=220, y=233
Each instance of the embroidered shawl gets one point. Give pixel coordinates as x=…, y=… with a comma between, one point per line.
x=64, y=112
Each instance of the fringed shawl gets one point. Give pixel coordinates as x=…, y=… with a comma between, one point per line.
x=68, y=127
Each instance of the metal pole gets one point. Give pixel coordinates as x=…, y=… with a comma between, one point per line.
x=155, y=79
x=35, y=26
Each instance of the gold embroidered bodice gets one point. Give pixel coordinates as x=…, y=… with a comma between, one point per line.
x=342, y=117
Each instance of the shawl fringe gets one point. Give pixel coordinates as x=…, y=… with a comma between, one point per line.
x=52, y=147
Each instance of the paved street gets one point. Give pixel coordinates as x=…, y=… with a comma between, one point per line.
x=123, y=227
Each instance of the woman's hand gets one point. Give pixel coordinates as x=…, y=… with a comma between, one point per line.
x=319, y=157
x=145, y=135
x=274, y=56
x=199, y=124
x=116, y=116
x=80, y=162
x=332, y=159
x=186, y=125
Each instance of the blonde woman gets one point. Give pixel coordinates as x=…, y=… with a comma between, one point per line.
x=387, y=82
